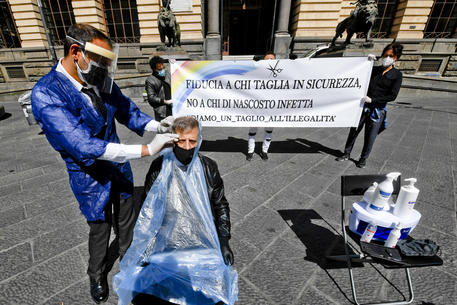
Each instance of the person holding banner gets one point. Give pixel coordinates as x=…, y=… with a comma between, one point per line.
x=384, y=86
x=253, y=130
x=158, y=88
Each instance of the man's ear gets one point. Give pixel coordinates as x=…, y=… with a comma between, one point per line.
x=74, y=48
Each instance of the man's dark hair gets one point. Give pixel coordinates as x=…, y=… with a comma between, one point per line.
x=397, y=49
x=184, y=123
x=156, y=60
x=270, y=53
x=83, y=33
x=293, y=56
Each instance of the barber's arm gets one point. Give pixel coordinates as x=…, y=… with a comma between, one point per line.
x=122, y=153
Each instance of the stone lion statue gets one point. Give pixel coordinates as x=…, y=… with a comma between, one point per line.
x=361, y=20
x=168, y=26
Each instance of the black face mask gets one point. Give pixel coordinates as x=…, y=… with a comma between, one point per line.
x=183, y=155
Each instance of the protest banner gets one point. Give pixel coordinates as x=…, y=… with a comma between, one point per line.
x=318, y=92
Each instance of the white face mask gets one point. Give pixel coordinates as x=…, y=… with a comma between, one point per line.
x=387, y=61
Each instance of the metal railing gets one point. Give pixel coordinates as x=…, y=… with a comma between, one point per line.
x=59, y=16
x=121, y=18
x=9, y=37
x=384, y=21
x=442, y=20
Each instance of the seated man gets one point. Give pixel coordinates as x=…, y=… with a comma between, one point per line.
x=180, y=251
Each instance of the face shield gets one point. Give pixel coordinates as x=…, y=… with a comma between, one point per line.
x=101, y=65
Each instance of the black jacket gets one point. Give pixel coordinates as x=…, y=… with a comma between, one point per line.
x=156, y=94
x=219, y=204
x=384, y=88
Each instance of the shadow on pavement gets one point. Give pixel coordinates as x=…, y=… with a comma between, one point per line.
x=298, y=146
x=5, y=116
x=321, y=242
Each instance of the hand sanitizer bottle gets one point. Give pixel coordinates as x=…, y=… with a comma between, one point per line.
x=369, y=193
x=382, y=194
x=406, y=199
x=369, y=232
x=394, y=236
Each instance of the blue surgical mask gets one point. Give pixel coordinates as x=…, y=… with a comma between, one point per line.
x=161, y=73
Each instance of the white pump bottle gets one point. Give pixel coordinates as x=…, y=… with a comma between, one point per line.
x=382, y=194
x=406, y=199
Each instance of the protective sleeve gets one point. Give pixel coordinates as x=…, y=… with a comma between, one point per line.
x=128, y=113
x=121, y=153
x=65, y=131
x=152, y=126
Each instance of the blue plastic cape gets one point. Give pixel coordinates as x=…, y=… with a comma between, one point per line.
x=75, y=129
x=175, y=253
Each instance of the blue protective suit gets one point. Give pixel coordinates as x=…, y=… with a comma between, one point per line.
x=78, y=132
x=175, y=253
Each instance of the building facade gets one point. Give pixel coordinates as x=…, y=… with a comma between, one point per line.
x=212, y=29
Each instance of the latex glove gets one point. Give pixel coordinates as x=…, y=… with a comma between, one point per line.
x=366, y=100
x=227, y=253
x=168, y=102
x=371, y=57
x=160, y=141
x=165, y=125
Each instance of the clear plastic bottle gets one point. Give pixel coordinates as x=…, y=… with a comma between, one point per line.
x=382, y=194
x=369, y=232
x=394, y=236
x=406, y=199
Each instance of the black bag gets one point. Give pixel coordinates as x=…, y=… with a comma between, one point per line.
x=418, y=247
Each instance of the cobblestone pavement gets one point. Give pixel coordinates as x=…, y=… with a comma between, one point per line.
x=284, y=211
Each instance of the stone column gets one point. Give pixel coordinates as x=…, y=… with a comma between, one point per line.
x=90, y=12
x=411, y=18
x=28, y=21
x=213, y=38
x=282, y=36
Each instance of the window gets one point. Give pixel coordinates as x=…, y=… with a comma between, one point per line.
x=442, y=19
x=386, y=14
x=121, y=17
x=9, y=37
x=59, y=16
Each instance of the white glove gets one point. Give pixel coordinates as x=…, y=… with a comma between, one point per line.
x=171, y=61
x=366, y=100
x=165, y=125
x=371, y=57
x=160, y=141
x=168, y=102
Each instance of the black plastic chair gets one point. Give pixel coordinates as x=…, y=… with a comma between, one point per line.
x=356, y=185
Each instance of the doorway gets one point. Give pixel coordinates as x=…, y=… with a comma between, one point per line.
x=248, y=26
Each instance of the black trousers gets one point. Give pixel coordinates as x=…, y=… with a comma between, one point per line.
x=121, y=215
x=371, y=131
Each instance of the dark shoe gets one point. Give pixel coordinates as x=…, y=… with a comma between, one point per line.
x=99, y=290
x=344, y=157
x=249, y=156
x=361, y=163
x=263, y=155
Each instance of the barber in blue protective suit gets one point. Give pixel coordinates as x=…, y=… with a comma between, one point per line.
x=76, y=105
x=180, y=252
x=384, y=86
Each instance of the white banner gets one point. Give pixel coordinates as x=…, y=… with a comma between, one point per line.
x=317, y=92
